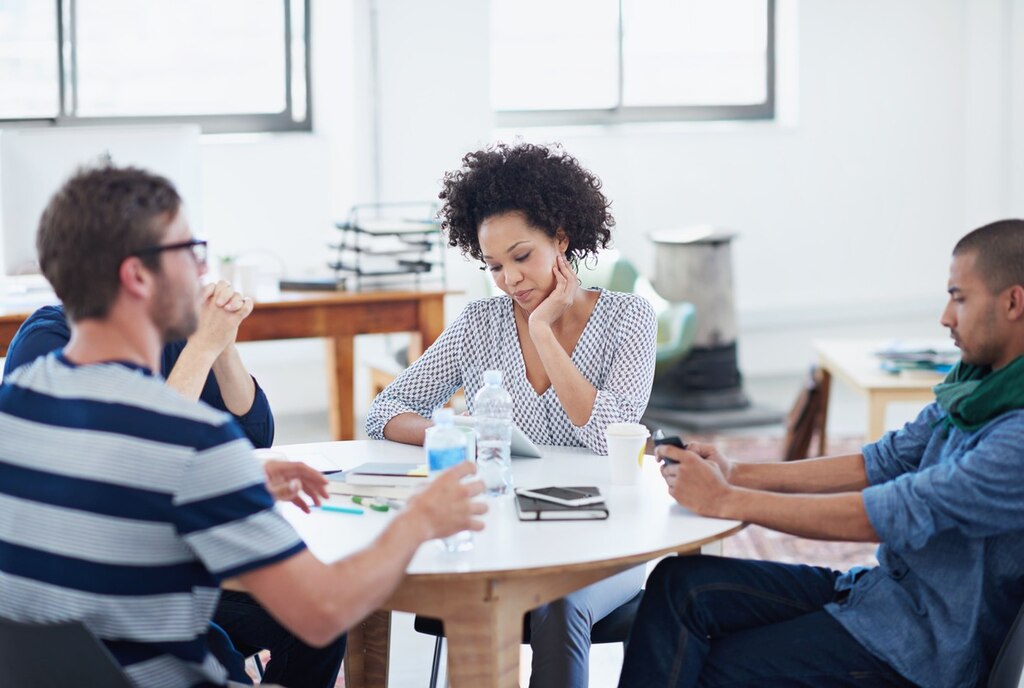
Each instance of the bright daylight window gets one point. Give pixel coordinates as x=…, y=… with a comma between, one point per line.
x=233, y=65
x=607, y=61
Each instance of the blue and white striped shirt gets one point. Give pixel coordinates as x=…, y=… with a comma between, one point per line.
x=124, y=505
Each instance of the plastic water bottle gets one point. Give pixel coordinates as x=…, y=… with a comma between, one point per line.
x=445, y=446
x=493, y=411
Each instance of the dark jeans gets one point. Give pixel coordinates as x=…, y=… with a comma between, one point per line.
x=715, y=622
x=292, y=664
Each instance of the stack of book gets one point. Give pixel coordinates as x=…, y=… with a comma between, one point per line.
x=385, y=480
x=918, y=359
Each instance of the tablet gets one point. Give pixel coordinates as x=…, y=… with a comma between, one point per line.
x=522, y=446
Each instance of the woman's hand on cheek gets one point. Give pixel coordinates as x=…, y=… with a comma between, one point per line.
x=560, y=299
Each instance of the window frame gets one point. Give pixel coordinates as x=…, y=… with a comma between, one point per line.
x=209, y=124
x=621, y=114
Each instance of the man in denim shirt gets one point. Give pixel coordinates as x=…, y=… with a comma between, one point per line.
x=944, y=497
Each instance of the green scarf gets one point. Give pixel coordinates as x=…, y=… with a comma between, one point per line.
x=973, y=395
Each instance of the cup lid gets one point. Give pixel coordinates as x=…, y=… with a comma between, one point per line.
x=627, y=430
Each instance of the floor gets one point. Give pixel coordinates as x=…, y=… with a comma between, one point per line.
x=411, y=652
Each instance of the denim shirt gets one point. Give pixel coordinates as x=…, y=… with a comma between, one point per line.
x=948, y=507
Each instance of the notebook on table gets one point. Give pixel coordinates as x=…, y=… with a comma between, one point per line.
x=382, y=473
x=530, y=509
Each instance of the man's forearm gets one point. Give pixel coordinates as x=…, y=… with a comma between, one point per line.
x=810, y=476
x=821, y=517
x=190, y=371
x=236, y=386
x=318, y=601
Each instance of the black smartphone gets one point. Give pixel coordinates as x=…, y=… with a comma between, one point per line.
x=661, y=438
x=563, y=495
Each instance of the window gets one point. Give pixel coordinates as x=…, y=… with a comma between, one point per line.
x=608, y=61
x=233, y=65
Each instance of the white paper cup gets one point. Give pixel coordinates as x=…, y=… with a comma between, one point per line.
x=626, y=444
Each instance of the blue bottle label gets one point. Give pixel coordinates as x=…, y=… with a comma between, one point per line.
x=440, y=459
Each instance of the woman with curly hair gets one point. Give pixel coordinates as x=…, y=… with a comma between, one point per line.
x=574, y=360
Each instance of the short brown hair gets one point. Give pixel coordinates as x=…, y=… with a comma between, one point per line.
x=999, y=253
x=96, y=219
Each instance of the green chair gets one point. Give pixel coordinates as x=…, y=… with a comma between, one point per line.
x=677, y=322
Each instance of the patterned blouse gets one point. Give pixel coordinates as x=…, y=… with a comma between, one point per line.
x=615, y=353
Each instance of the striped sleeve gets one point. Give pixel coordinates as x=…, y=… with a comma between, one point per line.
x=225, y=514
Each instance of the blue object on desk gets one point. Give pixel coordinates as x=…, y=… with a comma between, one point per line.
x=342, y=509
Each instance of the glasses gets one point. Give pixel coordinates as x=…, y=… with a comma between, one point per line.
x=197, y=246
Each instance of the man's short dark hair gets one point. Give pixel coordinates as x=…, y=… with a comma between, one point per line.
x=999, y=253
x=96, y=219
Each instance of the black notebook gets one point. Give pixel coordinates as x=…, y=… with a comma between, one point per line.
x=530, y=509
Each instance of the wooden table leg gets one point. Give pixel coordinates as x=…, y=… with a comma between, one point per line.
x=341, y=387
x=483, y=645
x=431, y=318
x=877, y=406
x=367, y=652
x=483, y=618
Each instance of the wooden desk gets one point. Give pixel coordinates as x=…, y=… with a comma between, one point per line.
x=338, y=317
x=514, y=566
x=853, y=361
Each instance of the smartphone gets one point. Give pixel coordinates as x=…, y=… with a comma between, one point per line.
x=563, y=495
x=661, y=438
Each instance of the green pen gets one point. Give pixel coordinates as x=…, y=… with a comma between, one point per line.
x=341, y=509
x=371, y=502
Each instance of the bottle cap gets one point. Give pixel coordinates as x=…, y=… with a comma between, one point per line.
x=443, y=416
x=492, y=377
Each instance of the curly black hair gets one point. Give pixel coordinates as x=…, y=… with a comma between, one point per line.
x=550, y=188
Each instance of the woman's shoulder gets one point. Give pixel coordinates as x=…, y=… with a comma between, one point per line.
x=620, y=302
x=488, y=307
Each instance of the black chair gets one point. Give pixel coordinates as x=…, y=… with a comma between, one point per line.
x=613, y=628
x=1009, y=664
x=56, y=655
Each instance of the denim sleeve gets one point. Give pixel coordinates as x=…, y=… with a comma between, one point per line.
x=976, y=490
x=900, y=451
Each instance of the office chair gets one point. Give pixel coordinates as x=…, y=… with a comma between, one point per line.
x=28, y=655
x=1009, y=665
x=613, y=628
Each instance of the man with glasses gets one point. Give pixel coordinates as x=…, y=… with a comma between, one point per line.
x=126, y=504
x=206, y=366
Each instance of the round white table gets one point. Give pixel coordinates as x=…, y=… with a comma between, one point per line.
x=514, y=566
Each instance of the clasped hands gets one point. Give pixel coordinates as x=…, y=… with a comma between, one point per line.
x=221, y=311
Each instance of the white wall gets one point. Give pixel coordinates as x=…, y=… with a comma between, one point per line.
x=901, y=130
x=900, y=139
